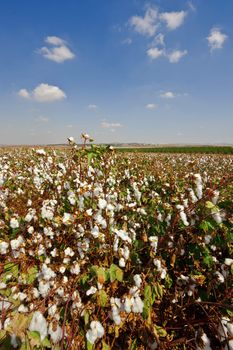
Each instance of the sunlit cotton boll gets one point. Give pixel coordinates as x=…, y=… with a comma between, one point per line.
x=39, y=324
x=137, y=280
x=102, y=203
x=96, y=331
x=55, y=333
x=14, y=223
x=3, y=247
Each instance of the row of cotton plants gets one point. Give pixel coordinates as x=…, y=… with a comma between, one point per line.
x=104, y=251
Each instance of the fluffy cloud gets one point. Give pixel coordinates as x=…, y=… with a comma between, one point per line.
x=151, y=106
x=127, y=41
x=216, y=39
x=146, y=25
x=154, y=53
x=43, y=93
x=168, y=94
x=24, y=93
x=173, y=19
x=59, y=52
x=176, y=55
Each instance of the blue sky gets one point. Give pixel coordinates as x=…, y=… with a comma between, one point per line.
x=123, y=71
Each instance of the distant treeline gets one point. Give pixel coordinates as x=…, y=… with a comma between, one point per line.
x=182, y=149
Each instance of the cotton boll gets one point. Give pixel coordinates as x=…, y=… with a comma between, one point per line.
x=138, y=304
x=137, y=280
x=229, y=345
x=228, y=261
x=95, y=232
x=3, y=247
x=96, y=331
x=39, y=324
x=102, y=203
x=14, y=223
x=91, y=290
x=122, y=262
x=55, y=334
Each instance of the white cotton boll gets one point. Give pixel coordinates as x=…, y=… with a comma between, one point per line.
x=67, y=218
x=220, y=277
x=198, y=183
x=230, y=329
x=62, y=269
x=39, y=324
x=215, y=197
x=184, y=218
x=54, y=252
x=154, y=242
x=14, y=341
x=128, y=305
x=2, y=285
x=95, y=232
x=14, y=223
x=47, y=272
x=69, y=252
x=56, y=335
x=138, y=304
x=96, y=331
x=125, y=252
x=102, y=203
x=44, y=288
x=157, y=263
x=16, y=243
x=228, y=261
x=163, y=274
x=52, y=309
x=35, y=293
x=30, y=230
x=89, y=212
x=192, y=195
x=137, y=280
x=47, y=213
x=22, y=308
x=229, y=345
x=115, y=244
x=207, y=239
x=75, y=270
x=217, y=218
x=91, y=291
x=3, y=247
x=115, y=315
x=122, y=262
x=4, y=305
x=206, y=342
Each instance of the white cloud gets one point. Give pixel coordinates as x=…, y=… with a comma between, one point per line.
x=173, y=19
x=151, y=106
x=146, y=25
x=43, y=93
x=54, y=40
x=24, y=93
x=191, y=6
x=59, y=52
x=92, y=107
x=42, y=119
x=154, y=53
x=216, y=39
x=168, y=94
x=158, y=40
x=107, y=125
x=127, y=41
x=176, y=55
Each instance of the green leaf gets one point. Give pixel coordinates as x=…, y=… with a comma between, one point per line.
x=161, y=331
x=46, y=343
x=102, y=297
x=105, y=346
x=115, y=273
x=134, y=345
x=11, y=268
x=209, y=205
x=89, y=346
x=86, y=317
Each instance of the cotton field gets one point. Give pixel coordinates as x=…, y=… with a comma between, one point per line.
x=100, y=250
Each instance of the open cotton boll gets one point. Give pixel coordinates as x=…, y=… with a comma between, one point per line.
x=39, y=324
x=137, y=280
x=96, y=331
x=102, y=203
x=14, y=223
x=229, y=345
x=55, y=334
x=3, y=247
